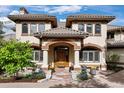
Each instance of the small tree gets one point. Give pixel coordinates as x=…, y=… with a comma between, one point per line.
x=113, y=57
x=14, y=56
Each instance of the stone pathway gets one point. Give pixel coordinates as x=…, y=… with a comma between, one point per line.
x=62, y=79
x=62, y=75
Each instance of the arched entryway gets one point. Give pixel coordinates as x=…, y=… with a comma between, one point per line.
x=60, y=55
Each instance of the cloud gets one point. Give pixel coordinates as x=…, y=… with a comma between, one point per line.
x=62, y=9
x=14, y=12
x=38, y=8
x=4, y=10
x=62, y=20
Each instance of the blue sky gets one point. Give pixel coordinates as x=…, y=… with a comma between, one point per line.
x=62, y=11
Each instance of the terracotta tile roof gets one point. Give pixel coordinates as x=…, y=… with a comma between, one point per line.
x=93, y=16
x=34, y=17
x=88, y=18
x=61, y=32
x=116, y=44
x=113, y=28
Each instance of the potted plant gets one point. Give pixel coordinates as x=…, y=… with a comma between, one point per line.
x=93, y=70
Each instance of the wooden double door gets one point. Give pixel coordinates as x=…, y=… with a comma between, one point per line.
x=61, y=56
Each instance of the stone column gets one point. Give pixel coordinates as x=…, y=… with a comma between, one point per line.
x=76, y=59
x=45, y=59
x=103, y=61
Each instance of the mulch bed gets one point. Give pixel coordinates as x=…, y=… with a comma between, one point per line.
x=11, y=80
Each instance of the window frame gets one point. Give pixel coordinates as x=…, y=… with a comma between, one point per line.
x=87, y=59
x=31, y=31
x=23, y=27
x=81, y=24
x=39, y=27
x=91, y=28
x=96, y=31
x=33, y=55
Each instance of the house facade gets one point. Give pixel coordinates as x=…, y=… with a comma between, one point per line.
x=81, y=40
x=115, y=42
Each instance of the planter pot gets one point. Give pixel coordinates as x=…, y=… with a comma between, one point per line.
x=93, y=71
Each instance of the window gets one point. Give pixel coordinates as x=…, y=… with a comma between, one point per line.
x=97, y=29
x=97, y=56
x=33, y=28
x=89, y=28
x=90, y=56
x=85, y=56
x=25, y=28
x=37, y=55
x=41, y=27
x=110, y=35
x=81, y=27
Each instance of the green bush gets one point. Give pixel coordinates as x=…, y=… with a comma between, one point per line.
x=83, y=75
x=36, y=75
x=113, y=57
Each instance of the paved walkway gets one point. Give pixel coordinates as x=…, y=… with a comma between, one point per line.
x=62, y=78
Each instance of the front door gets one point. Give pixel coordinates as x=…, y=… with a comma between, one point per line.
x=61, y=56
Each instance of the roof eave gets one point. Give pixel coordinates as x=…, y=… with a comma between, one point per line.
x=103, y=20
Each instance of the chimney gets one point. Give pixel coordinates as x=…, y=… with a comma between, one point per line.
x=23, y=11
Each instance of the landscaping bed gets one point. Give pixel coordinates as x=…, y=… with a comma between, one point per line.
x=32, y=77
x=10, y=80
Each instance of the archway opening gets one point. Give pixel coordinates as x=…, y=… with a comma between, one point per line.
x=61, y=55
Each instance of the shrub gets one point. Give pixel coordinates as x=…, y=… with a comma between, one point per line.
x=113, y=57
x=36, y=75
x=83, y=75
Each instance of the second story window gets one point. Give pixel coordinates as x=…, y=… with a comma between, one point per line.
x=41, y=27
x=97, y=29
x=110, y=35
x=89, y=28
x=24, y=28
x=33, y=28
x=81, y=27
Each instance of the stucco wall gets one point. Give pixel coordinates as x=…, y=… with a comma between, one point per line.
x=119, y=36
x=99, y=40
x=29, y=38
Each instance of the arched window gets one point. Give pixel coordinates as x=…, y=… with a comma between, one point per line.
x=41, y=27
x=24, y=28
x=89, y=28
x=33, y=28
x=97, y=29
x=81, y=27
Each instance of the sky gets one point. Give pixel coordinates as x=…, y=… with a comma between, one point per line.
x=62, y=11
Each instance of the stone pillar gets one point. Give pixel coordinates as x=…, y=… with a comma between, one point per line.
x=103, y=61
x=45, y=59
x=76, y=59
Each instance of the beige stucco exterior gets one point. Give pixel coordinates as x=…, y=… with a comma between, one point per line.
x=96, y=41
x=29, y=38
x=74, y=45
